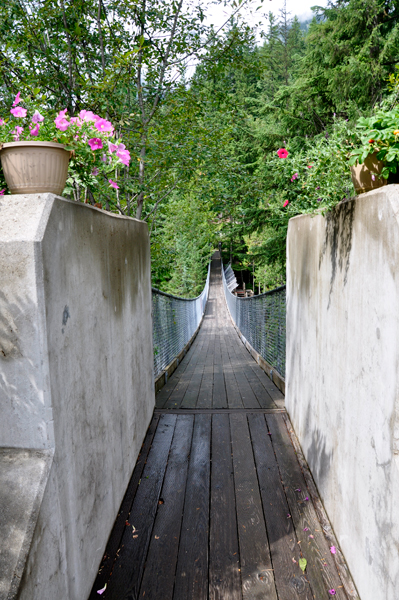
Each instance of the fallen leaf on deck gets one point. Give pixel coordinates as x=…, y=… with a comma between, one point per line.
x=302, y=563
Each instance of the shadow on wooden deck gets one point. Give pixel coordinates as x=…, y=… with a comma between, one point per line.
x=218, y=506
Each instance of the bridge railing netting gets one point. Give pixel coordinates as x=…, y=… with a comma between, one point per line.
x=175, y=321
x=261, y=320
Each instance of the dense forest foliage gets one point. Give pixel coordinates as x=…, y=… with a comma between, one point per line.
x=204, y=112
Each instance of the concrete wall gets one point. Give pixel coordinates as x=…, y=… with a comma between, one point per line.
x=342, y=379
x=76, y=373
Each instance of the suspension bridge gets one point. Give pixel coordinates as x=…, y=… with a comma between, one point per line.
x=221, y=504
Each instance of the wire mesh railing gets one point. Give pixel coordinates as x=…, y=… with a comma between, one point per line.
x=261, y=320
x=174, y=322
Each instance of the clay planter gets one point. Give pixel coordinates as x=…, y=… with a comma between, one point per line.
x=34, y=167
x=362, y=175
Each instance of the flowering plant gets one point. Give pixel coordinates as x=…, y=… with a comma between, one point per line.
x=95, y=152
x=379, y=134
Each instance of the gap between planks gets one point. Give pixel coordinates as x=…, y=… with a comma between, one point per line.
x=216, y=411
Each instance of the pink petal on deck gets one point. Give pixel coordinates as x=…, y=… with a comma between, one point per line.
x=104, y=588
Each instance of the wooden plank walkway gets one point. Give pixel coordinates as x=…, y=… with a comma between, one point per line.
x=218, y=507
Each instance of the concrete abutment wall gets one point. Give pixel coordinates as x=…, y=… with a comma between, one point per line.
x=76, y=387
x=342, y=377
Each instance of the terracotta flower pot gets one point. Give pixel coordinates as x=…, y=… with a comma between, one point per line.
x=34, y=167
x=362, y=175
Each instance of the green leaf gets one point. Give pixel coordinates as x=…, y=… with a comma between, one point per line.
x=302, y=563
x=36, y=91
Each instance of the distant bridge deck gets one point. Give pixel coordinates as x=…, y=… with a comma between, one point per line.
x=219, y=506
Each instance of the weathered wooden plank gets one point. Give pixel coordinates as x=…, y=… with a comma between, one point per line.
x=224, y=565
x=128, y=569
x=290, y=582
x=346, y=578
x=176, y=397
x=115, y=539
x=192, y=566
x=256, y=567
x=204, y=399
x=159, y=574
x=262, y=395
x=219, y=390
x=321, y=569
x=164, y=394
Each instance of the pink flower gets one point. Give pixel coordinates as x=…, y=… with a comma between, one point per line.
x=34, y=129
x=95, y=172
x=332, y=592
x=17, y=132
x=102, y=590
x=2, y=122
x=282, y=153
x=95, y=143
x=88, y=115
x=333, y=550
x=295, y=176
x=37, y=117
x=286, y=203
x=373, y=177
x=2, y=192
x=112, y=147
x=306, y=529
x=103, y=125
x=113, y=184
x=310, y=166
x=124, y=156
x=104, y=158
x=18, y=112
x=17, y=99
x=61, y=122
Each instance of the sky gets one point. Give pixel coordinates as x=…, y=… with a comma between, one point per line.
x=300, y=8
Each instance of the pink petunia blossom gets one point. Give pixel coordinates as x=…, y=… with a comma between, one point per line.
x=2, y=122
x=17, y=99
x=104, y=158
x=2, y=191
x=124, y=156
x=17, y=132
x=61, y=122
x=286, y=203
x=34, y=129
x=18, y=112
x=295, y=176
x=332, y=592
x=113, y=184
x=103, y=125
x=112, y=147
x=333, y=550
x=37, y=117
x=282, y=153
x=95, y=143
x=88, y=115
x=95, y=172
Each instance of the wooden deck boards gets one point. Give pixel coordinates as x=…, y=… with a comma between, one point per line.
x=218, y=507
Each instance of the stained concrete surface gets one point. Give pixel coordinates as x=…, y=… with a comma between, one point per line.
x=76, y=374
x=342, y=376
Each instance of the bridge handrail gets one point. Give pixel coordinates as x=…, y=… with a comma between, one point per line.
x=174, y=322
x=261, y=320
